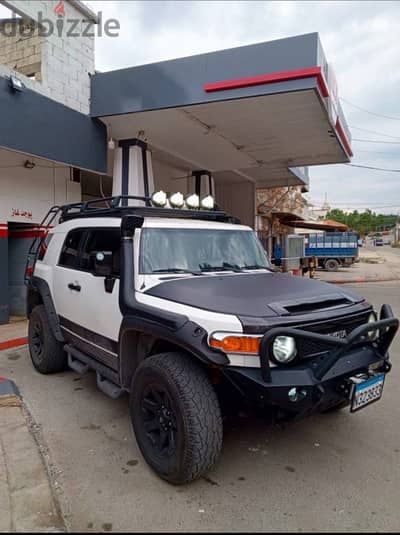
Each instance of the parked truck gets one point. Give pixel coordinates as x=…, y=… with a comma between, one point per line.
x=332, y=249
x=329, y=249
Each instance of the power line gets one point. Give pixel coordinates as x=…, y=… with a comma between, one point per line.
x=373, y=168
x=370, y=112
x=365, y=205
x=373, y=132
x=376, y=141
x=377, y=152
x=354, y=203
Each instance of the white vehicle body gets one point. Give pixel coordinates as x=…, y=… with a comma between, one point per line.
x=99, y=312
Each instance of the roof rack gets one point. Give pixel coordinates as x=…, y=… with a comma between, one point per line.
x=115, y=207
x=118, y=207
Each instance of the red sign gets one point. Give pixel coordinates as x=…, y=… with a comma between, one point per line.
x=60, y=9
x=16, y=212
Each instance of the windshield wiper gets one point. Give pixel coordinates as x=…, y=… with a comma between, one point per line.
x=176, y=270
x=226, y=266
x=256, y=266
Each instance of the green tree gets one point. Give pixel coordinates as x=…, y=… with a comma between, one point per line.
x=363, y=222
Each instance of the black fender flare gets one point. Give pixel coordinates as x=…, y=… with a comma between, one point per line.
x=189, y=337
x=36, y=284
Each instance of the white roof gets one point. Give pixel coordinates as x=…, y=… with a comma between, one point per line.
x=149, y=222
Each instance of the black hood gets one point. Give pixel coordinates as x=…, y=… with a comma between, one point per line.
x=254, y=294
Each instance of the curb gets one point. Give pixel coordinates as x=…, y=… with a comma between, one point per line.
x=361, y=281
x=9, y=393
x=8, y=344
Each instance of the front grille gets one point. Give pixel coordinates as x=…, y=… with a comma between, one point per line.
x=309, y=348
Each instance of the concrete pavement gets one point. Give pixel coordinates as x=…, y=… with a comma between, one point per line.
x=376, y=264
x=14, y=333
x=27, y=503
x=337, y=472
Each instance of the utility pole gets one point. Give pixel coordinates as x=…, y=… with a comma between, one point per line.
x=397, y=229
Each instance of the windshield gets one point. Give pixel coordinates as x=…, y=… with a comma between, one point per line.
x=167, y=250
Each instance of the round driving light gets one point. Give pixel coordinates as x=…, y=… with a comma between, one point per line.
x=193, y=201
x=176, y=200
x=159, y=198
x=295, y=395
x=373, y=333
x=284, y=349
x=207, y=203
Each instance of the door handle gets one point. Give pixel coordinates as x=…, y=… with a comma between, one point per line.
x=75, y=287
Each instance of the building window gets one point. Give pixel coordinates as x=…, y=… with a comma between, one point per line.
x=20, y=45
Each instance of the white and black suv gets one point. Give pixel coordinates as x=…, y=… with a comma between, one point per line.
x=182, y=309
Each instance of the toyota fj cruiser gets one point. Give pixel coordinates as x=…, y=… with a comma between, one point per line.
x=180, y=308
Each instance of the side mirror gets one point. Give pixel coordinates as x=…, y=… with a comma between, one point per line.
x=103, y=263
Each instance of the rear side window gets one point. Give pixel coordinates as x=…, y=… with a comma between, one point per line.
x=101, y=240
x=69, y=253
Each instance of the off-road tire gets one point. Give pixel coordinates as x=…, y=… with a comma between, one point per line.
x=331, y=264
x=46, y=352
x=195, y=413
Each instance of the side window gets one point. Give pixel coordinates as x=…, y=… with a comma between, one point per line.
x=44, y=246
x=101, y=240
x=69, y=253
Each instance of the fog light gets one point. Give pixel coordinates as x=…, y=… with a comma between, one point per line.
x=207, y=203
x=296, y=395
x=159, y=198
x=193, y=201
x=176, y=200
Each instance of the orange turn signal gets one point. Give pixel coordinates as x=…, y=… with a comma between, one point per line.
x=237, y=344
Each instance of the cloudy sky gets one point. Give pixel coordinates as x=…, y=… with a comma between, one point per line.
x=360, y=38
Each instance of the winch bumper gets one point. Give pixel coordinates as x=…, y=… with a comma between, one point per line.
x=317, y=383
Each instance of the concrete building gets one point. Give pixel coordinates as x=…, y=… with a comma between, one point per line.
x=229, y=122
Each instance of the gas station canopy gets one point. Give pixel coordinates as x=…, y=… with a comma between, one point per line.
x=258, y=113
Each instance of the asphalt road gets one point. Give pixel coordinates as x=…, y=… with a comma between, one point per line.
x=338, y=472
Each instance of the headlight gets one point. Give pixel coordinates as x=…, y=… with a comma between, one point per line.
x=176, y=200
x=193, y=201
x=159, y=198
x=374, y=333
x=284, y=349
x=207, y=203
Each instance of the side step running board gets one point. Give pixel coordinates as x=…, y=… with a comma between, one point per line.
x=107, y=379
x=110, y=389
x=77, y=365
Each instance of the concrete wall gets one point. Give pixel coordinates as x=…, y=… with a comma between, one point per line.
x=23, y=54
x=25, y=197
x=170, y=178
x=66, y=62
x=237, y=199
x=27, y=194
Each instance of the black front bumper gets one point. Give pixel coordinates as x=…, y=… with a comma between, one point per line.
x=320, y=382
